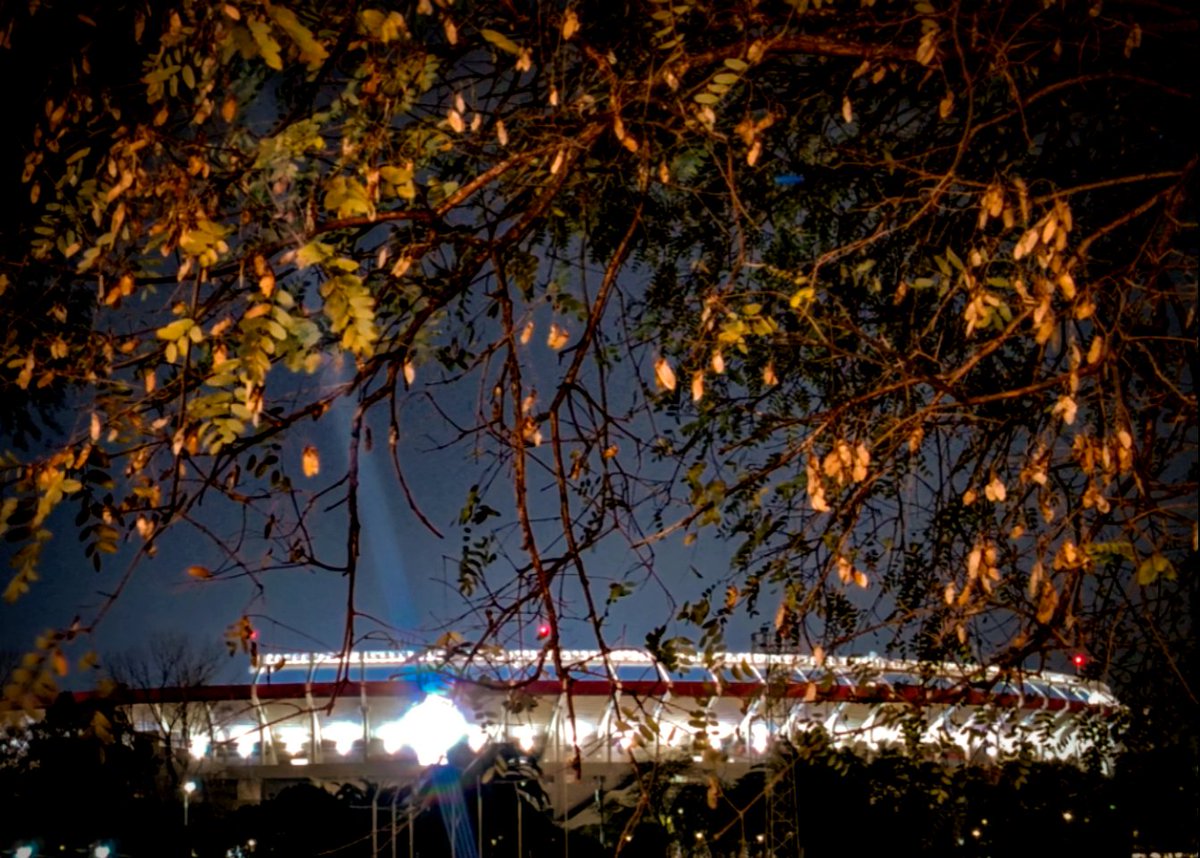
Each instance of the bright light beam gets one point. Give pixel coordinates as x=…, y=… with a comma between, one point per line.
x=432, y=728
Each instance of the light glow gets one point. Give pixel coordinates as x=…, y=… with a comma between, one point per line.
x=245, y=745
x=526, y=737
x=432, y=728
x=477, y=737
x=294, y=739
x=197, y=747
x=392, y=736
x=760, y=737
x=343, y=734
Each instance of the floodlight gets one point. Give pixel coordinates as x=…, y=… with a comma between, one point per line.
x=198, y=745
x=343, y=734
x=432, y=728
x=101, y=850
x=526, y=737
x=760, y=737
x=25, y=850
x=294, y=739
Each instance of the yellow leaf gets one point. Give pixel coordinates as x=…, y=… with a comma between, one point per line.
x=60, y=663
x=312, y=52
x=946, y=105
x=501, y=133
x=995, y=490
x=410, y=372
x=847, y=110
x=557, y=338
x=1047, y=603
x=697, y=386
x=718, y=363
x=664, y=375
x=1066, y=408
x=310, y=461
x=201, y=572
x=570, y=25
x=927, y=49
x=769, y=377
x=501, y=41
x=526, y=333
x=268, y=48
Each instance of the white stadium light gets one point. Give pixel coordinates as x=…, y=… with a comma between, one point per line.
x=294, y=739
x=432, y=728
x=760, y=737
x=526, y=737
x=343, y=734
x=198, y=746
x=391, y=735
x=245, y=743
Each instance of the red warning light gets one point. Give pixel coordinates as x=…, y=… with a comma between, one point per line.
x=543, y=631
x=1079, y=659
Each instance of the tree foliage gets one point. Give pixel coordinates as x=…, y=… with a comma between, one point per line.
x=897, y=298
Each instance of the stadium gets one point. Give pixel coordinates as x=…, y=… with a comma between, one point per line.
x=385, y=716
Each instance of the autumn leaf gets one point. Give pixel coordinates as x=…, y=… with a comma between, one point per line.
x=570, y=25
x=310, y=461
x=201, y=572
x=557, y=338
x=664, y=375
x=697, y=386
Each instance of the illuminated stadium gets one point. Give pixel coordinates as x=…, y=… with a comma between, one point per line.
x=383, y=716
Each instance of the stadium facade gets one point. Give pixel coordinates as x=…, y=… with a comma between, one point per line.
x=305, y=717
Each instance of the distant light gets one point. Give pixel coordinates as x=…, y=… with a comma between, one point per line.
x=1079, y=659
x=699, y=835
x=1068, y=816
x=294, y=739
x=526, y=737
x=759, y=837
x=543, y=631
x=23, y=851
x=477, y=738
x=976, y=833
x=101, y=850
x=760, y=737
x=189, y=787
x=343, y=734
x=433, y=727
x=300, y=761
x=628, y=838
x=198, y=746
x=245, y=745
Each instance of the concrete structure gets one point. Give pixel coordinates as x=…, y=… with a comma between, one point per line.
x=334, y=719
